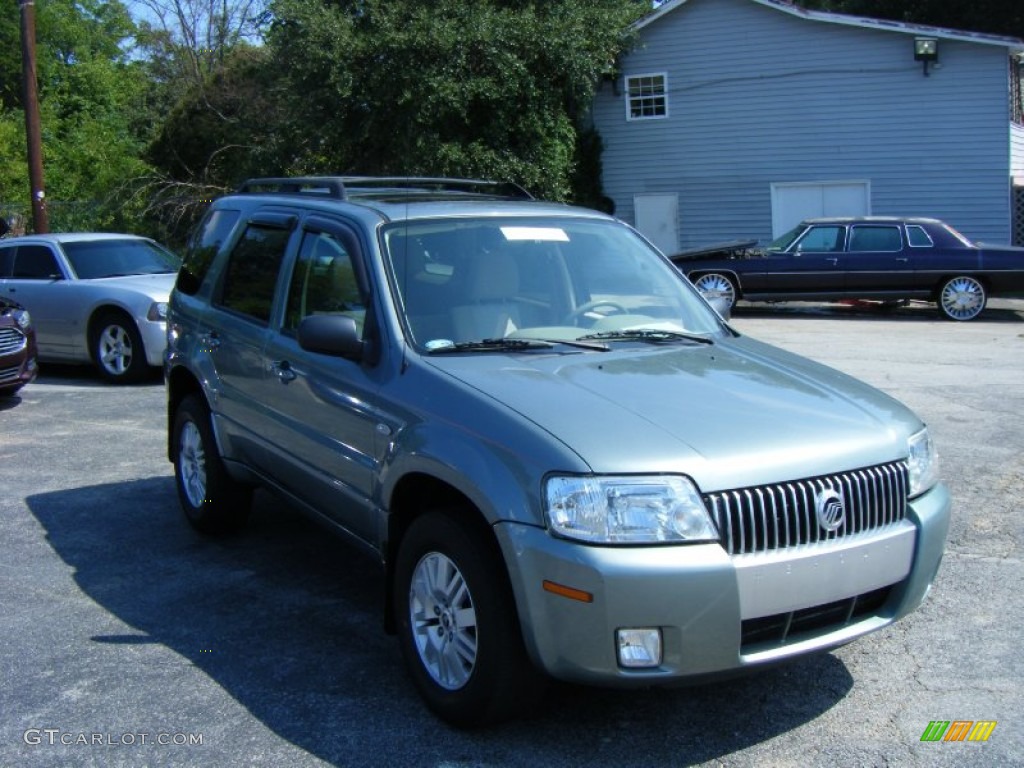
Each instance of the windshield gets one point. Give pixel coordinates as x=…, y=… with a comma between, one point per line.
x=783, y=242
x=552, y=279
x=115, y=258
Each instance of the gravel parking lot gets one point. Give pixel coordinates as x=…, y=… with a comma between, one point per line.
x=128, y=640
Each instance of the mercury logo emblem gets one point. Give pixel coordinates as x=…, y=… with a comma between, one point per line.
x=829, y=509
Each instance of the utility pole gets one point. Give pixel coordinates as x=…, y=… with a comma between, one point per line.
x=40, y=223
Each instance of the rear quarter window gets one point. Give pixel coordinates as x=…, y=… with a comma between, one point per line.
x=207, y=239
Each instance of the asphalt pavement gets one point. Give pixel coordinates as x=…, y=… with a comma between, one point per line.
x=128, y=640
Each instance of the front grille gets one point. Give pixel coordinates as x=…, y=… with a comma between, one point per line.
x=794, y=626
x=11, y=340
x=772, y=517
x=8, y=375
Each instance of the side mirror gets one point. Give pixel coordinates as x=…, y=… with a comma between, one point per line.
x=722, y=306
x=335, y=335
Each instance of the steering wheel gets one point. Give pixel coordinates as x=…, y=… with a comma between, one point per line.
x=582, y=309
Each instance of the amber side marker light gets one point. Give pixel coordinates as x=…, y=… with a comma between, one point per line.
x=564, y=591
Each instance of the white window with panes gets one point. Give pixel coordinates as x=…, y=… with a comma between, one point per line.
x=646, y=96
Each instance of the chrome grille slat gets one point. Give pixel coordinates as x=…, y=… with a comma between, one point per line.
x=773, y=517
x=11, y=340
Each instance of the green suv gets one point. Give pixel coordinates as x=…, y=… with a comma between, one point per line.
x=567, y=462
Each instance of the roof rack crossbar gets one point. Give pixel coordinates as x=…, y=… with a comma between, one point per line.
x=344, y=187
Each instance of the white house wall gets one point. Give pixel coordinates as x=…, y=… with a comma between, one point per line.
x=757, y=97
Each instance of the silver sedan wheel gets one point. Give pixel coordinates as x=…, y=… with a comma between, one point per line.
x=115, y=350
x=962, y=298
x=443, y=621
x=716, y=286
x=192, y=461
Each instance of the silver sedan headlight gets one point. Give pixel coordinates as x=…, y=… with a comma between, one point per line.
x=923, y=462
x=650, y=509
x=157, y=311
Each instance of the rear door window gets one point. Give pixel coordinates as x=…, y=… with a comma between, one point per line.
x=250, y=276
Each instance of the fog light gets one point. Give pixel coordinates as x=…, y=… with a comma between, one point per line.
x=639, y=648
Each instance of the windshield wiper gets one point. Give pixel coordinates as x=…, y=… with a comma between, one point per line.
x=648, y=334
x=493, y=345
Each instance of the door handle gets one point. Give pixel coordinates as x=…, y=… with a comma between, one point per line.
x=833, y=260
x=210, y=341
x=284, y=370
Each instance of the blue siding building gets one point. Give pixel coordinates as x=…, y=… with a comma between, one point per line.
x=734, y=119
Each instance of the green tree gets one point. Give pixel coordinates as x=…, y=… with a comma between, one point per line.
x=493, y=88
x=90, y=92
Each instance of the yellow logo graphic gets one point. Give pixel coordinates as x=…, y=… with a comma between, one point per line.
x=958, y=730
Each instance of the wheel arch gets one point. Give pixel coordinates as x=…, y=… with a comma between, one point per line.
x=415, y=494
x=180, y=384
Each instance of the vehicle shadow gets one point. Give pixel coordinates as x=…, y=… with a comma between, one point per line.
x=288, y=622
x=998, y=311
x=87, y=376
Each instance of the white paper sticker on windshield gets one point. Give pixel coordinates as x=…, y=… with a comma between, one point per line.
x=550, y=234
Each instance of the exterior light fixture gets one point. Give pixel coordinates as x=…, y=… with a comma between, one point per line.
x=926, y=50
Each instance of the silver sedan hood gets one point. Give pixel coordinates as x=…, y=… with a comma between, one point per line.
x=735, y=414
x=157, y=287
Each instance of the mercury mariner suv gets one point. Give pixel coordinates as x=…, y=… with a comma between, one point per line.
x=566, y=461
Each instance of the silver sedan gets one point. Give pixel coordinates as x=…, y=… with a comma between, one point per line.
x=95, y=298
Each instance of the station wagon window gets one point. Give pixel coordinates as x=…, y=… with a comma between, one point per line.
x=646, y=96
x=820, y=239
x=251, y=273
x=918, y=237
x=323, y=282
x=876, y=239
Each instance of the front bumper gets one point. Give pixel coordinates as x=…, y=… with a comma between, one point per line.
x=713, y=609
x=154, y=340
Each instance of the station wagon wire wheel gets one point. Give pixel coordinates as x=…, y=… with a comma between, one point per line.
x=443, y=621
x=715, y=285
x=962, y=298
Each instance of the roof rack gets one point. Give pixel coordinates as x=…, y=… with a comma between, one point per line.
x=349, y=187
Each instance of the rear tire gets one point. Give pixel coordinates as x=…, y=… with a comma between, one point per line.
x=212, y=502
x=962, y=298
x=457, y=624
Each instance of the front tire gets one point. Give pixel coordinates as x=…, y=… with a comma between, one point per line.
x=715, y=285
x=117, y=348
x=457, y=624
x=962, y=298
x=212, y=502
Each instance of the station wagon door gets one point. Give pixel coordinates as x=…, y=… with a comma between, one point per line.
x=878, y=263
x=811, y=266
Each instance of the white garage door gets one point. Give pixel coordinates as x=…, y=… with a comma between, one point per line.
x=794, y=202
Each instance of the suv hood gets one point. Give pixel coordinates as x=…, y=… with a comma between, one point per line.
x=732, y=415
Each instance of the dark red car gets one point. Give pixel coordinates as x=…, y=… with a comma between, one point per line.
x=17, y=347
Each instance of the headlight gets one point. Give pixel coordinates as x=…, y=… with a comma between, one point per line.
x=628, y=510
x=157, y=311
x=923, y=462
x=22, y=318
